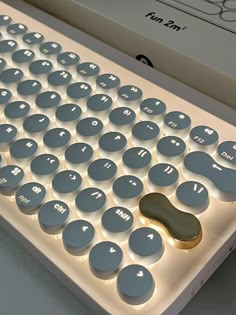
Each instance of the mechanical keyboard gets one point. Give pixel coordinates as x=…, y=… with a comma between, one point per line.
x=125, y=188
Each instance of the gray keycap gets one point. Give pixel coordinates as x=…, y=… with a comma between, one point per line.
x=90, y=200
x=227, y=151
x=99, y=102
x=5, y=20
x=23, y=148
x=117, y=220
x=89, y=127
x=192, y=194
x=33, y=38
x=2, y=63
x=88, y=69
x=79, y=153
x=29, y=87
x=17, y=29
x=59, y=78
x=78, y=236
x=137, y=158
x=105, y=259
x=23, y=56
x=68, y=112
x=50, y=48
x=145, y=130
x=177, y=120
x=127, y=187
x=204, y=135
x=224, y=179
x=5, y=96
x=10, y=178
x=29, y=197
x=135, y=284
x=36, y=123
x=66, y=182
x=171, y=146
x=11, y=75
x=112, y=141
x=7, y=45
x=108, y=81
x=56, y=138
x=44, y=164
x=122, y=116
x=146, y=243
x=39, y=67
x=48, y=99
x=17, y=109
x=163, y=175
x=102, y=170
x=68, y=59
x=53, y=216
x=130, y=93
x=79, y=90
x=7, y=134
x=153, y=107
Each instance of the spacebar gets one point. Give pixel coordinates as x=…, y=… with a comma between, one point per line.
x=202, y=6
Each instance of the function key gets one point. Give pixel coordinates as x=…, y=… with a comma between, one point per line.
x=204, y=137
x=79, y=90
x=23, y=56
x=59, y=78
x=53, y=216
x=135, y=284
x=99, y=103
x=10, y=178
x=177, y=122
x=29, y=87
x=17, y=109
x=105, y=259
x=227, y=151
x=122, y=117
x=108, y=81
x=40, y=67
x=44, y=164
x=145, y=131
x=66, y=182
x=78, y=236
x=50, y=48
x=5, y=96
x=11, y=75
x=2, y=63
x=89, y=127
x=112, y=142
x=68, y=59
x=23, y=148
x=7, y=135
x=17, y=29
x=29, y=197
x=171, y=147
x=153, y=108
x=88, y=69
x=33, y=38
x=47, y=100
x=129, y=94
x=127, y=187
x=68, y=113
x=36, y=123
x=102, y=170
x=56, y=138
x=164, y=176
x=137, y=158
x=7, y=46
x=5, y=20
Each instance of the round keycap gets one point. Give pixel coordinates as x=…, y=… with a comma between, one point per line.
x=53, y=215
x=44, y=164
x=23, y=148
x=7, y=134
x=99, y=102
x=56, y=138
x=204, y=136
x=78, y=153
x=163, y=175
x=17, y=29
x=112, y=142
x=7, y=46
x=78, y=236
x=108, y=81
x=127, y=187
x=88, y=69
x=177, y=121
x=105, y=259
x=90, y=200
x=192, y=194
x=33, y=38
x=29, y=87
x=66, y=182
x=117, y=220
x=171, y=146
x=153, y=107
x=135, y=284
x=39, y=67
x=68, y=112
x=5, y=96
x=130, y=93
x=68, y=59
x=227, y=151
x=11, y=75
x=10, y=178
x=48, y=99
x=5, y=20
x=102, y=170
x=17, y=109
x=79, y=90
x=145, y=130
x=89, y=127
x=29, y=197
x=59, y=78
x=122, y=116
x=137, y=158
x=36, y=123
x=23, y=55
x=2, y=63
x=50, y=48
